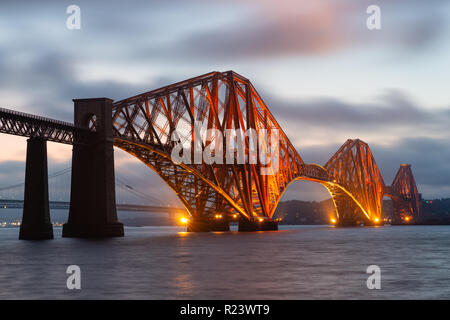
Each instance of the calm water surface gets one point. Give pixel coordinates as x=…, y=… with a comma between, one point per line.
x=298, y=262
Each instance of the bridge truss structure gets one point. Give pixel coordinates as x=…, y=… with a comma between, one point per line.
x=144, y=126
x=151, y=125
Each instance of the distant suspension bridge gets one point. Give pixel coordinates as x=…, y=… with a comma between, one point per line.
x=128, y=197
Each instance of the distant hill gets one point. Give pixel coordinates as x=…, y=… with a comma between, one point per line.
x=305, y=212
x=319, y=212
x=436, y=211
x=437, y=206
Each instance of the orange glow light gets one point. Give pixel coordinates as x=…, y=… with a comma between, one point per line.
x=376, y=220
x=260, y=219
x=333, y=221
x=184, y=220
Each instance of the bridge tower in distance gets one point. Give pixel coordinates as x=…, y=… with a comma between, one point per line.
x=406, y=198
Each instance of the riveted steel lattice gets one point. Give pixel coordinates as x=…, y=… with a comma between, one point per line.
x=144, y=126
x=28, y=125
x=405, y=196
x=353, y=167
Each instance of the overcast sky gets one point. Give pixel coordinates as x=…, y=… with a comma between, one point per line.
x=323, y=74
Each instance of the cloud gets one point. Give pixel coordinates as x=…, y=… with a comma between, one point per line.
x=329, y=121
x=290, y=28
x=394, y=115
x=392, y=107
x=49, y=80
x=217, y=31
x=13, y=169
x=263, y=35
x=430, y=160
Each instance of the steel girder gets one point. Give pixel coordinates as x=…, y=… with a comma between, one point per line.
x=27, y=125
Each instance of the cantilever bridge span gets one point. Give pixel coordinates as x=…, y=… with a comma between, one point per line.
x=145, y=126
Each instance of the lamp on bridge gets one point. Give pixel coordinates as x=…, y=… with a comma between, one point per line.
x=184, y=220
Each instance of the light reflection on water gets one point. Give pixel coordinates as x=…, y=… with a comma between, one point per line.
x=299, y=262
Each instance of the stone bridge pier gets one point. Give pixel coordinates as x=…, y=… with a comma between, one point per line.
x=36, y=224
x=92, y=210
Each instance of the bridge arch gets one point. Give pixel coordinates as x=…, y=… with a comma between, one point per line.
x=347, y=207
x=204, y=203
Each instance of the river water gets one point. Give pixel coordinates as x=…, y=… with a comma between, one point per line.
x=297, y=262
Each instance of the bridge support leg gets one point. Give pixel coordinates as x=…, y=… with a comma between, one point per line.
x=246, y=225
x=92, y=200
x=36, y=224
x=348, y=223
x=206, y=225
x=198, y=225
x=368, y=223
x=220, y=225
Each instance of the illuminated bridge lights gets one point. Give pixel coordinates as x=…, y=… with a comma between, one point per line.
x=184, y=220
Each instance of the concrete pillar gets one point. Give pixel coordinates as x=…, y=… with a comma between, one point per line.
x=348, y=223
x=206, y=225
x=220, y=225
x=198, y=225
x=36, y=224
x=92, y=210
x=246, y=225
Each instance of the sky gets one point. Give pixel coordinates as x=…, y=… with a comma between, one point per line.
x=323, y=74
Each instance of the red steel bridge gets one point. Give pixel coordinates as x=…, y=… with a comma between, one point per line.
x=212, y=193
